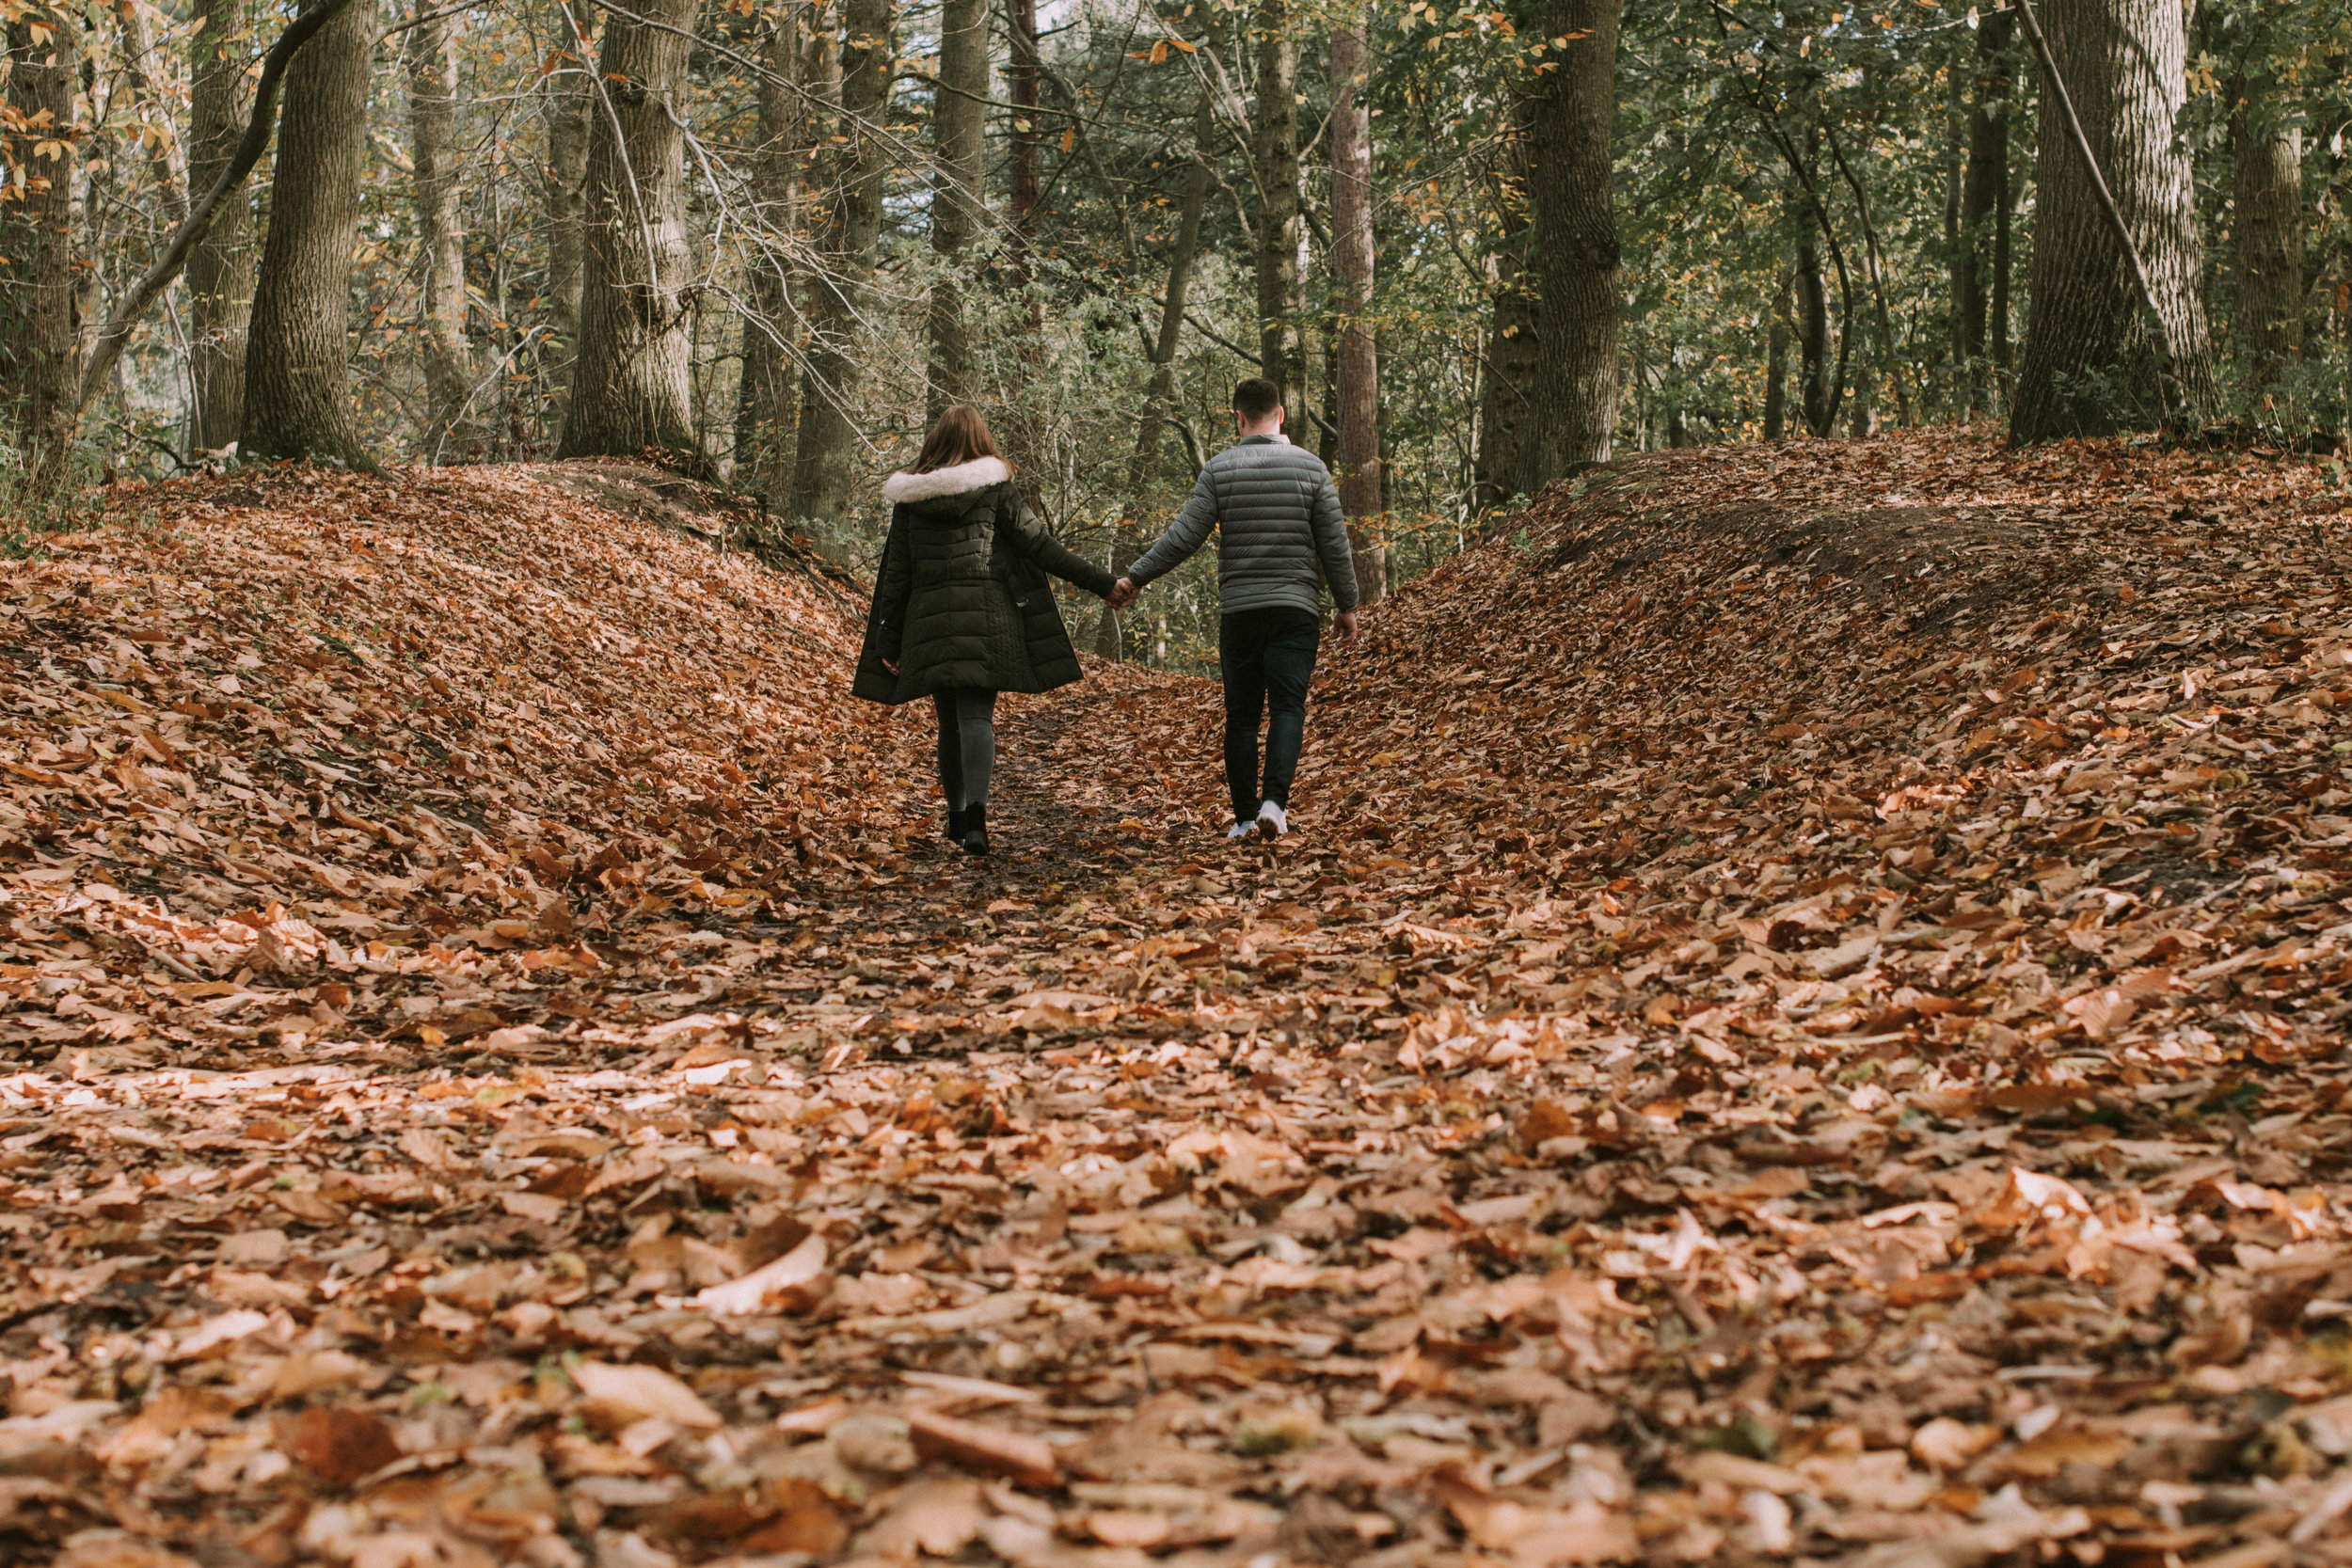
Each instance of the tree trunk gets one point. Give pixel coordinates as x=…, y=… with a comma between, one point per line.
x=220, y=266
x=1981, y=186
x=1021, y=72
x=2269, y=197
x=629, y=387
x=765, y=409
x=958, y=204
x=1572, y=415
x=1281, y=353
x=39, y=366
x=2003, y=340
x=1777, y=367
x=570, y=102
x=822, y=469
x=297, y=397
x=1812, y=303
x=1358, y=375
x=1508, y=375
x=433, y=124
x=1021, y=432
x=1145, y=464
x=2094, y=361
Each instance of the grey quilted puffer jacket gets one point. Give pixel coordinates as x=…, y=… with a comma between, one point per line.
x=962, y=598
x=1280, y=521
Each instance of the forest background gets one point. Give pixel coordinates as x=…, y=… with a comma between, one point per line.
x=1480, y=246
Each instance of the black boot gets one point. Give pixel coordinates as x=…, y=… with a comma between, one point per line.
x=974, y=837
x=955, y=825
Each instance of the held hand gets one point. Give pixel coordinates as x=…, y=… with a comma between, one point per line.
x=1122, y=594
x=1343, y=627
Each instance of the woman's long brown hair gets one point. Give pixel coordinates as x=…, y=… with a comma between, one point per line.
x=959, y=437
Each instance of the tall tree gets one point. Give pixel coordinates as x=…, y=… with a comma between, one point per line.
x=1776, y=363
x=1023, y=73
x=297, y=397
x=1160, y=396
x=1818, y=382
x=1281, y=353
x=764, y=407
x=433, y=131
x=567, y=100
x=822, y=469
x=1983, y=205
x=959, y=207
x=1572, y=415
x=2267, y=152
x=1508, y=373
x=38, y=365
x=629, y=386
x=1358, y=368
x=2118, y=338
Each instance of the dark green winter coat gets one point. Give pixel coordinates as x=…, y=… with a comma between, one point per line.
x=961, y=597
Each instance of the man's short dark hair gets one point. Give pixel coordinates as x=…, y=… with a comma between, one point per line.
x=1255, y=398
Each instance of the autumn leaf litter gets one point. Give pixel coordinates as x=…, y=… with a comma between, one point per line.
x=1802, y=1020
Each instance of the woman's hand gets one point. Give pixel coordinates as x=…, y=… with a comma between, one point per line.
x=891, y=665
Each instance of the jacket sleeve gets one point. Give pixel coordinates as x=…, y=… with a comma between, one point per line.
x=1331, y=544
x=895, y=581
x=886, y=622
x=1030, y=537
x=1187, y=533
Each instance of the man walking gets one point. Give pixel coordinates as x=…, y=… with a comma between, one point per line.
x=1280, y=521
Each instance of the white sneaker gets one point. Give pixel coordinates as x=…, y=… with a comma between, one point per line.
x=1273, y=821
x=1241, y=830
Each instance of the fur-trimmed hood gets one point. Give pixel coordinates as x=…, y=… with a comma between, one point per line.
x=902, y=489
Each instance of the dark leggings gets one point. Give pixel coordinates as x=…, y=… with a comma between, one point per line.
x=1267, y=658
x=967, y=743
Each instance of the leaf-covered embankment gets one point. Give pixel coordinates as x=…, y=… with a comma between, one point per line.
x=1987, y=726
x=265, y=724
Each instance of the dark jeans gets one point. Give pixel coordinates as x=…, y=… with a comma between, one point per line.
x=1267, y=656
x=967, y=743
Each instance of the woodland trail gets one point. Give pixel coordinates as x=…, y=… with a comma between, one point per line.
x=1802, y=1022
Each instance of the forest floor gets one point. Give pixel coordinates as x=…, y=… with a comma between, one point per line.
x=1803, y=1021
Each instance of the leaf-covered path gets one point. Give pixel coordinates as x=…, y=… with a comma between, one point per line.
x=1803, y=1021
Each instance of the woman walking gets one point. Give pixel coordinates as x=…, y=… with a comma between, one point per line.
x=961, y=607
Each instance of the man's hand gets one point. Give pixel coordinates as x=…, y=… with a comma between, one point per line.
x=891, y=665
x=1122, y=594
x=1343, y=627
